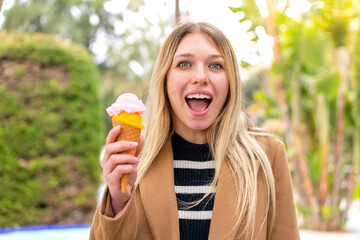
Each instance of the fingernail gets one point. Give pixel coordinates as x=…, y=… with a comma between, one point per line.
x=117, y=127
x=137, y=159
x=133, y=144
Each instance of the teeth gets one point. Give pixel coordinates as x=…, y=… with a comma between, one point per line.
x=198, y=96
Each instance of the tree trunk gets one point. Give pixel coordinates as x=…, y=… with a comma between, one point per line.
x=342, y=61
x=322, y=121
x=1, y=2
x=300, y=151
x=177, y=12
x=352, y=178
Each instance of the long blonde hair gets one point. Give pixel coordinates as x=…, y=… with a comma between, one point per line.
x=229, y=137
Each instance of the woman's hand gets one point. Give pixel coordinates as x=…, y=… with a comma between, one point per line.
x=115, y=164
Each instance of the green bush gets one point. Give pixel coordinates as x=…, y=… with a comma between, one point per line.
x=51, y=131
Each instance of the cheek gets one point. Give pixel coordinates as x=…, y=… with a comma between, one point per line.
x=168, y=87
x=169, y=83
x=171, y=92
x=223, y=90
x=174, y=85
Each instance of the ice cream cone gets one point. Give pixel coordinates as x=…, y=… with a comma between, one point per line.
x=126, y=113
x=130, y=131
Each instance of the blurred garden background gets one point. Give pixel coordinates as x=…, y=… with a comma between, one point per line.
x=63, y=62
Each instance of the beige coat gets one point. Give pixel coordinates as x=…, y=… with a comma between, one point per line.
x=151, y=212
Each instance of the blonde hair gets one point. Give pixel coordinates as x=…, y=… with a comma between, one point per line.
x=229, y=137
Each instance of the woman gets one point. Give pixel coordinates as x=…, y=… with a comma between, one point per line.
x=205, y=172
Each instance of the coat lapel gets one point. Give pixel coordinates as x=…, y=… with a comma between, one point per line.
x=158, y=196
x=223, y=218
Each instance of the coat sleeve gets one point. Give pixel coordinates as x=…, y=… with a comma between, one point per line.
x=285, y=225
x=121, y=226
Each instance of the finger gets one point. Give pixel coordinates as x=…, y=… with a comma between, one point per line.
x=132, y=179
x=112, y=135
x=140, y=145
x=117, y=147
x=119, y=159
x=114, y=177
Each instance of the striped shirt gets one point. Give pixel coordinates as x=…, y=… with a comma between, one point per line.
x=194, y=170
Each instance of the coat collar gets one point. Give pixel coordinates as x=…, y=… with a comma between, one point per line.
x=157, y=191
x=159, y=200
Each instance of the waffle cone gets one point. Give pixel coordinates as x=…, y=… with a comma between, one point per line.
x=127, y=133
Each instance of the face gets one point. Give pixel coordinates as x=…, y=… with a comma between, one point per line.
x=197, y=86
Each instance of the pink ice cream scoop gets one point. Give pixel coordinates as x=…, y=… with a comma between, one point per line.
x=127, y=102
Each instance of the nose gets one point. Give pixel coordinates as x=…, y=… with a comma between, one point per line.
x=200, y=75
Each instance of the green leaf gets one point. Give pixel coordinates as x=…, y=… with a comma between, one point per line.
x=236, y=9
x=356, y=194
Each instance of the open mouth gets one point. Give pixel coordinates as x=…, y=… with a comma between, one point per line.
x=198, y=102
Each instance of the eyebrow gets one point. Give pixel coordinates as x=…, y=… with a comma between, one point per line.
x=191, y=55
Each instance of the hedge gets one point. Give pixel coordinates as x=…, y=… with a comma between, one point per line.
x=51, y=132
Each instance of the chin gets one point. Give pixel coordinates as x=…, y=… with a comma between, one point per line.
x=199, y=127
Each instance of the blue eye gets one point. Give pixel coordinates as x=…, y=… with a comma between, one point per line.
x=184, y=64
x=216, y=66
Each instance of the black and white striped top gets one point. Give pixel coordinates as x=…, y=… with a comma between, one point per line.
x=194, y=169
